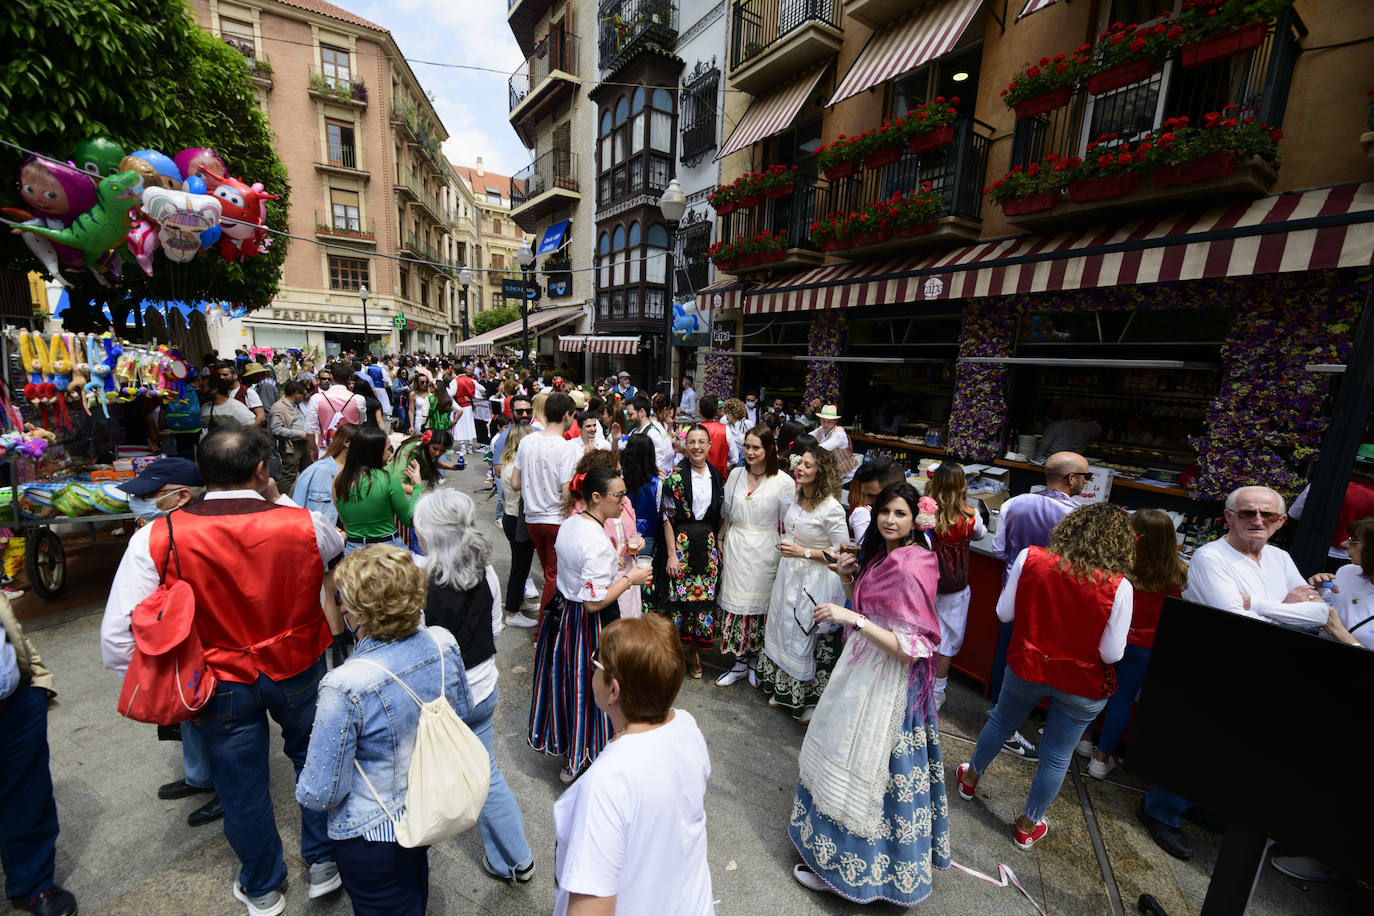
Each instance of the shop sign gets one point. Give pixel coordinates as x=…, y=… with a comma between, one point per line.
x=934, y=288
x=302, y=315
x=1097, y=489
x=519, y=289
x=723, y=335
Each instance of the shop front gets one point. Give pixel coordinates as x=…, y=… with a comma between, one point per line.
x=330, y=331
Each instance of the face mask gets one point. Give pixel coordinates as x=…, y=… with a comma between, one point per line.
x=145, y=508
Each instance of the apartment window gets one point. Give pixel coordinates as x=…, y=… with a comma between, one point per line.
x=403, y=278
x=334, y=65
x=239, y=35
x=342, y=148
x=344, y=210
x=496, y=227
x=634, y=258
x=661, y=121
x=603, y=261
x=694, y=237
x=655, y=254
x=494, y=197
x=653, y=303
x=498, y=262
x=699, y=114
x=618, y=256
x=424, y=292
x=347, y=273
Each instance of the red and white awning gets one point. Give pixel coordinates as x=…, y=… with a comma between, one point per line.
x=572, y=344
x=1295, y=231
x=730, y=292
x=915, y=41
x=771, y=113
x=613, y=346
x=1035, y=6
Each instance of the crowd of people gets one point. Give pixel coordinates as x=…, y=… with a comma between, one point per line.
x=664, y=528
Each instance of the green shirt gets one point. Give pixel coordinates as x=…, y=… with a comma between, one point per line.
x=374, y=505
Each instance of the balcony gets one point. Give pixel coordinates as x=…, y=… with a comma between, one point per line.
x=259, y=71
x=700, y=92
x=792, y=214
x=424, y=251
x=1256, y=82
x=524, y=17
x=772, y=41
x=956, y=172
x=543, y=187
x=425, y=199
x=333, y=228
x=545, y=81
x=877, y=13
x=340, y=159
x=337, y=89
x=630, y=24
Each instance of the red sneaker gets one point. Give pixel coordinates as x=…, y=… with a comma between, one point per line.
x=965, y=791
x=1027, y=840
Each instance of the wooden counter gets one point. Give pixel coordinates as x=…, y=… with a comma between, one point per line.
x=1167, y=489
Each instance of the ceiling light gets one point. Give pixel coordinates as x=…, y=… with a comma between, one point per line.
x=960, y=76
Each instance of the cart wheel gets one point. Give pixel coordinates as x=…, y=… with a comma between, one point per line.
x=46, y=563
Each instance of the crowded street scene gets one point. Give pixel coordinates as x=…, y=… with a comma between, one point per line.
x=773, y=458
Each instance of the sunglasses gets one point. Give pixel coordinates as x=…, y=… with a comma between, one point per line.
x=596, y=662
x=814, y=624
x=1086, y=475
x=1257, y=513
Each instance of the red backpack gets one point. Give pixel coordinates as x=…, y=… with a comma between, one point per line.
x=167, y=681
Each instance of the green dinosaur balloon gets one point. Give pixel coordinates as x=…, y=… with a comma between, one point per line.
x=98, y=156
x=103, y=226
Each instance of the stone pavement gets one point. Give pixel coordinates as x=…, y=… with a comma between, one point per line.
x=122, y=850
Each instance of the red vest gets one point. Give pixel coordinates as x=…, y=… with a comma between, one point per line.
x=1359, y=502
x=255, y=570
x=719, y=452
x=1145, y=610
x=1058, y=625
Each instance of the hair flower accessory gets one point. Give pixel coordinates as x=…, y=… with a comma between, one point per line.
x=926, y=508
x=426, y=436
x=576, y=485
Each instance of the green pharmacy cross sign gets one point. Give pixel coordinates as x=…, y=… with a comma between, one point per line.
x=399, y=321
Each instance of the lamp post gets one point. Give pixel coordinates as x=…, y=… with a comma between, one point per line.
x=526, y=258
x=362, y=294
x=672, y=205
x=465, y=278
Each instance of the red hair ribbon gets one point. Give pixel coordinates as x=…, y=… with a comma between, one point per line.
x=426, y=436
x=576, y=484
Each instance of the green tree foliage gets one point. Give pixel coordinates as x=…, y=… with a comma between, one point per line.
x=143, y=74
x=483, y=322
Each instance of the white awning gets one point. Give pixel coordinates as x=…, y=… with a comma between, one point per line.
x=913, y=42
x=769, y=114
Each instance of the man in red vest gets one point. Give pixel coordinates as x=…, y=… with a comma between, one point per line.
x=719, y=453
x=1358, y=502
x=256, y=563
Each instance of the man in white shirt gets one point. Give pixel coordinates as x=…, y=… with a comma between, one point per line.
x=751, y=409
x=544, y=463
x=832, y=437
x=335, y=405
x=245, y=395
x=687, y=406
x=640, y=416
x=218, y=408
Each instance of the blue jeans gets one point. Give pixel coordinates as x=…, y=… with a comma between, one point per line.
x=1130, y=674
x=234, y=726
x=1069, y=715
x=350, y=546
x=648, y=549
x=999, y=662
x=503, y=830
x=28, y=825
x=194, y=757
x=1165, y=806
x=383, y=879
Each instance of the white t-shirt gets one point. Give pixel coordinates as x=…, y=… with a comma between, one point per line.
x=253, y=399
x=634, y=825
x=664, y=456
x=701, y=491
x=1220, y=575
x=230, y=411
x=545, y=463
x=1355, y=602
x=337, y=404
x=587, y=561
x=837, y=439
x=860, y=517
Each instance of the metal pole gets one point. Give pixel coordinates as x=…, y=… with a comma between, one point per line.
x=668, y=311
x=525, y=323
x=463, y=331
x=367, y=342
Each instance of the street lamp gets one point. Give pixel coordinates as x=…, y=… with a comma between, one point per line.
x=526, y=258
x=672, y=205
x=362, y=294
x=465, y=278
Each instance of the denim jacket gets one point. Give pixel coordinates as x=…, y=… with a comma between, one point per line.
x=363, y=714
x=315, y=489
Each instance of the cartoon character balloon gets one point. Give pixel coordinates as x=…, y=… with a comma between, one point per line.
x=205, y=162
x=98, y=156
x=102, y=227
x=181, y=217
x=56, y=194
x=156, y=170
x=245, y=213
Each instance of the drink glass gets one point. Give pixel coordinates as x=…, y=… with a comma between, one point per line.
x=644, y=562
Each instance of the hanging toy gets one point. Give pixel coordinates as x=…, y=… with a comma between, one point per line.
x=95, y=356
x=62, y=365
x=37, y=357
x=81, y=373
x=126, y=375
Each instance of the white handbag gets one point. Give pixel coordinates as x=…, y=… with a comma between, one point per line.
x=450, y=771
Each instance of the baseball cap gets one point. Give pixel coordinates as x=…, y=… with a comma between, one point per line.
x=154, y=477
x=623, y=374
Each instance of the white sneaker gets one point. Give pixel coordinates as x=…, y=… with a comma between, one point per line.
x=521, y=621
x=269, y=904
x=753, y=675
x=809, y=879
x=1098, y=769
x=740, y=670
x=806, y=715
x=1084, y=748
x=531, y=593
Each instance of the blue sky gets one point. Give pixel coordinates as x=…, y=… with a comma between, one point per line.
x=472, y=104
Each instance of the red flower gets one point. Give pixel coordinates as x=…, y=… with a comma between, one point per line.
x=1276, y=134
x=1136, y=46
x=1175, y=33
x=1043, y=62
x=1033, y=72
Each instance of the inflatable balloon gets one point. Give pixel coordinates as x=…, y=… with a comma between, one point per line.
x=181, y=218
x=102, y=227
x=56, y=194
x=202, y=161
x=245, y=211
x=98, y=156
x=156, y=170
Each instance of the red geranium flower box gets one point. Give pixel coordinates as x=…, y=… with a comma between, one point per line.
x=727, y=265
x=874, y=238
x=748, y=260
x=727, y=208
x=907, y=232
x=882, y=157
x=1219, y=47
x=1133, y=71
x=943, y=136
x=1103, y=188
x=1031, y=203
x=840, y=170
x=1040, y=104
x=768, y=257
x=1214, y=165
x=753, y=200
x=834, y=245
x=775, y=193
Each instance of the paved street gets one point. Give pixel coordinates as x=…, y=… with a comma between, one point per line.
x=123, y=851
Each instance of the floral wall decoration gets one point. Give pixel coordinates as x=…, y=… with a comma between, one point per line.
x=980, y=402
x=826, y=339
x=719, y=378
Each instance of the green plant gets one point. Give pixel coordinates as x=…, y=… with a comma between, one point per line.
x=1049, y=74
x=1202, y=18
x=1176, y=142
x=1037, y=178
x=1119, y=44
x=261, y=66
x=776, y=176
x=1105, y=157
x=926, y=118
x=751, y=48
x=491, y=319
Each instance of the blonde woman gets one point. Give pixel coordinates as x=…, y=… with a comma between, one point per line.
x=957, y=526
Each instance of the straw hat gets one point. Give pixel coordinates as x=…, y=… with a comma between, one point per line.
x=828, y=412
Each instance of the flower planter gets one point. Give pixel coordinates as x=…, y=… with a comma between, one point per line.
x=839, y=170
x=834, y=245
x=907, y=232
x=753, y=200
x=1219, y=47
x=1103, y=188
x=727, y=208
x=1032, y=203
x=1133, y=71
x=882, y=157
x=727, y=265
x=768, y=257
x=1215, y=165
x=874, y=238
x=937, y=138
x=775, y=193
x=1039, y=104
x=748, y=260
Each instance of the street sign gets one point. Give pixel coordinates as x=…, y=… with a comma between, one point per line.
x=519, y=289
x=399, y=320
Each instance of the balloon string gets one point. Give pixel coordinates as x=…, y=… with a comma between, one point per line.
x=1006, y=875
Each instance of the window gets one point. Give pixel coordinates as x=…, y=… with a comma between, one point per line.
x=694, y=238
x=498, y=262
x=655, y=255
x=334, y=65
x=344, y=210
x=404, y=281
x=494, y=197
x=635, y=258
x=347, y=273
x=661, y=121
x=239, y=35
x=424, y=291
x=496, y=226
x=699, y=114
x=618, y=256
x=603, y=252
x=342, y=151
x=653, y=303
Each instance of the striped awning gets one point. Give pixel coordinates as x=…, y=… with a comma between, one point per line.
x=771, y=113
x=913, y=42
x=730, y=291
x=614, y=346
x=572, y=344
x=482, y=344
x=1035, y=6
x=1318, y=229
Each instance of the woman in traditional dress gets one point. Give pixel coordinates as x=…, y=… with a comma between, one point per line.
x=797, y=656
x=757, y=497
x=870, y=818
x=693, y=495
x=564, y=720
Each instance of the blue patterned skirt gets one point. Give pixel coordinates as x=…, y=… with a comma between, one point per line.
x=896, y=865
x=564, y=717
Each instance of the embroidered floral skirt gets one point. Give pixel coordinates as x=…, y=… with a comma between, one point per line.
x=564, y=717
x=741, y=634
x=794, y=694
x=896, y=865
x=691, y=604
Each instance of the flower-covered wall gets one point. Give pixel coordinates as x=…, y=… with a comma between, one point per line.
x=826, y=339
x=980, y=402
x=719, y=377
